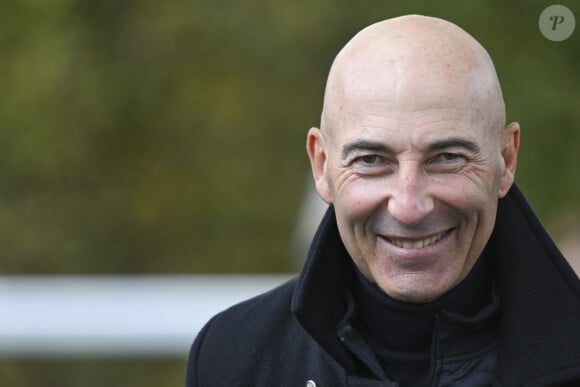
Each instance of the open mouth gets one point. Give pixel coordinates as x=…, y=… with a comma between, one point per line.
x=418, y=243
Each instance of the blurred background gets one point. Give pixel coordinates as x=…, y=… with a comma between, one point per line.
x=167, y=137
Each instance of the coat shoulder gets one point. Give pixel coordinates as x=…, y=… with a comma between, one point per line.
x=267, y=309
x=241, y=337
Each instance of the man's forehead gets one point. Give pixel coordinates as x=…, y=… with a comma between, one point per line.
x=418, y=129
x=432, y=114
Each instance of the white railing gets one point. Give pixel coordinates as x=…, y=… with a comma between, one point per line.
x=115, y=315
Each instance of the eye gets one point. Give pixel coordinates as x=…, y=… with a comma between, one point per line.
x=369, y=159
x=371, y=165
x=448, y=157
x=447, y=162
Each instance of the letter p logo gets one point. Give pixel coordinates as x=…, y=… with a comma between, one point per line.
x=557, y=23
x=557, y=20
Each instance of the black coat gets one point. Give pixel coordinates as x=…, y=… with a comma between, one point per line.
x=287, y=336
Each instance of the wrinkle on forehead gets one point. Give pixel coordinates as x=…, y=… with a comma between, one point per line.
x=413, y=62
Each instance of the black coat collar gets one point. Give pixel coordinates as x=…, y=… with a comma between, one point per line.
x=539, y=293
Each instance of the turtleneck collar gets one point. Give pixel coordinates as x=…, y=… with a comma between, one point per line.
x=408, y=327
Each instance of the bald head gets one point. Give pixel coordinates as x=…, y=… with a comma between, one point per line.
x=414, y=59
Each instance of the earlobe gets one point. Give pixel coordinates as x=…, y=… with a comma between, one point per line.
x=317, y=154
x=510, y=143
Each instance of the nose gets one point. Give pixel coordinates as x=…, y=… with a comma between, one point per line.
x=410, y=201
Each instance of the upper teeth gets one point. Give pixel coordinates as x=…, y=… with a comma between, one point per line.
x=406, y=244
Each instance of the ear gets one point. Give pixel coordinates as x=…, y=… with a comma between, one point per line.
x=510, y=143
x=316, y=149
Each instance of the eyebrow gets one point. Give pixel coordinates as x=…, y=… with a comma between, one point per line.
x=454, y=142
x=366, y=145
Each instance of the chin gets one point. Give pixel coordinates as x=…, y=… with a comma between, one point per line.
x=417, y=297
x=413, y=293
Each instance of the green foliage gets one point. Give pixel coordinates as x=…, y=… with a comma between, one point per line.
x=92, y=372
x=151, y=137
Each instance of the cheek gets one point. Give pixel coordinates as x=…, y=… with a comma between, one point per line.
x=359, y=199
x=474, y=189
x=463, y=197
x=475, y=199
x=355, y=206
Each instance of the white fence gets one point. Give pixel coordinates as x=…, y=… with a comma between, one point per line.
x=46, y=316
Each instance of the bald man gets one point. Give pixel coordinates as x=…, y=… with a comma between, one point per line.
x=429, y=268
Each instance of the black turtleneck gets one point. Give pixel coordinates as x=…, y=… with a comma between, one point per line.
x=393, y=338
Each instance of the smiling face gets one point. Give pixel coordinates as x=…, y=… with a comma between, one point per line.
x=413, y=158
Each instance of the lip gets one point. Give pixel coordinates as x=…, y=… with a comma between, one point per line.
x=417, y=242
x=417, y=247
